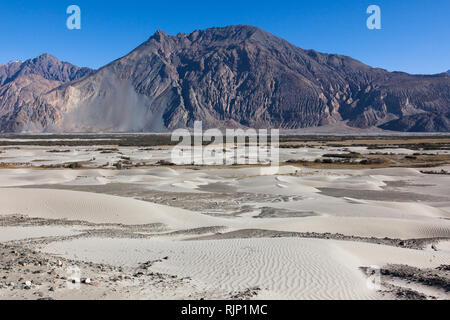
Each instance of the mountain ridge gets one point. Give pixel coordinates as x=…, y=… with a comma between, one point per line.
x=22, y=82
x=45, y=65
x=241, y=75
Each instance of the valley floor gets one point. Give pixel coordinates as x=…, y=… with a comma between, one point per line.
x=305, y=231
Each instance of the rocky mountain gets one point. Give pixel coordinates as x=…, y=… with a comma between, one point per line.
x=46, y=66
x=422, y=122
x=231, y=76
x=21, y=83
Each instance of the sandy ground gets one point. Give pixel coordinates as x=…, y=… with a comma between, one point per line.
x=106, y=156
x=231, y=233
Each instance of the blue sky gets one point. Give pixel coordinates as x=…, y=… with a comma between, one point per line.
x=415, y=35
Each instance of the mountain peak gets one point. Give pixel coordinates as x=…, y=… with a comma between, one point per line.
x=238, y=32
x=241, y=32
x=45, y=55
x=159, y=34
x=14, y=61
x=237, y=28
x=45, y=65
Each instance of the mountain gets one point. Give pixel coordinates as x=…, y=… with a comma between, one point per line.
x=233, y=76
x=46, y=66
x=422, y=122
x=21, y=83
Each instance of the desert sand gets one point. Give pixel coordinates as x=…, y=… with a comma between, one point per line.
x=231, y=233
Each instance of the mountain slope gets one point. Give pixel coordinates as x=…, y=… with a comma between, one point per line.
x=21, y=83
x=240, y=75
x=422, y=122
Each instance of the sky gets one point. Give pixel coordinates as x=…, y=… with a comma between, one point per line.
x=414, y=35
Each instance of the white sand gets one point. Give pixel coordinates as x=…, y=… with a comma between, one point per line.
x=22, y=233
x=99, y=208
x=363, y=227
x=96, y=208
x=363, y=217
x=282, y=268
x=92, y=156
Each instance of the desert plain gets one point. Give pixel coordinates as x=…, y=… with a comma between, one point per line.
x=110, y=217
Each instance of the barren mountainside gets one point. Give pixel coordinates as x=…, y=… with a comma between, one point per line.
x=231, y=76
x=21, y=83
x=46, y=66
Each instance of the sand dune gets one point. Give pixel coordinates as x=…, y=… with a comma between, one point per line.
x=282, y=268
x=335, y=215
x=96, y=208
x=363, y=227
x=22, y=233
x=289, y=199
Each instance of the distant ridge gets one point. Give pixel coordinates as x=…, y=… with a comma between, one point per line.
x=21, y=83
x=46, y=66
